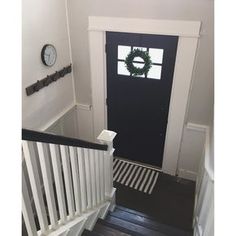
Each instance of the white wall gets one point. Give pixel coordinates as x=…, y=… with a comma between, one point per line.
x=44, y=22
x=201, y=100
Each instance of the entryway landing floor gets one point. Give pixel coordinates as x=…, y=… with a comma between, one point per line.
x=171, y=201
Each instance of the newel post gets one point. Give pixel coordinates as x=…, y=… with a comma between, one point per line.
x=107, y=137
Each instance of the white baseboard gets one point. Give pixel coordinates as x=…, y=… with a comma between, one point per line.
x=186, y=174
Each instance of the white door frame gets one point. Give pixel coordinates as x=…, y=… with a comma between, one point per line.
x=188, y=32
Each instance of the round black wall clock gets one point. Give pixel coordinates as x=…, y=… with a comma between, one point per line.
x=48, y=55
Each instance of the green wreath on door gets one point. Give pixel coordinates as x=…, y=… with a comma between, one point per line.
x=136, y=70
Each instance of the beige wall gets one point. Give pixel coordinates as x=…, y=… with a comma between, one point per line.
x=44, y=22
x=201, y=98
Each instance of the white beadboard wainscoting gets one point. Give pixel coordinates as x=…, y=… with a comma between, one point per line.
x=74, y=122
x=66, y=124
x=77, y=122
x=204, y=195
x=191, y=150
x=85, y=122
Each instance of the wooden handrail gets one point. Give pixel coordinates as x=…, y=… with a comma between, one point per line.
x=37, y=136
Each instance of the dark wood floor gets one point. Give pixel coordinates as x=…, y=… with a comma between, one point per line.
x=166, y=212
x=171, y=202
x=128, y=222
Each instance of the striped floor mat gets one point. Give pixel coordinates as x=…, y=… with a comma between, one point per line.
x=134, y=176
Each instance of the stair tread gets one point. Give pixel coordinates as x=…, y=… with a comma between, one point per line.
x=129, y=227
x=134, y=212
x=90, y=233
x=148, y=222
x=108, y=231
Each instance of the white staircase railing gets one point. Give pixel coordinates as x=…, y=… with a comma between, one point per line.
x=66, y=183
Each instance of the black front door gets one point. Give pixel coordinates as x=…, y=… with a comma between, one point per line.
x=138, y=106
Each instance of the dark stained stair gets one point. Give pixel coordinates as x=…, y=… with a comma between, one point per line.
x=125, y=222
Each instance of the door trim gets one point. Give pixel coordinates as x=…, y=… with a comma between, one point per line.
x=145, y=26
x=188, y=32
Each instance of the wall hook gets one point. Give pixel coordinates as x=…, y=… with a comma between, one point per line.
x=62, y=72
x=37, y=86
x=55, y=76
x=47, y=80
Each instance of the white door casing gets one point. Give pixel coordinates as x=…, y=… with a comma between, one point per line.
x=188, y=32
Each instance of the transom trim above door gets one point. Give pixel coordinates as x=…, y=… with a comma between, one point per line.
x=145, y=26
x=188, y=32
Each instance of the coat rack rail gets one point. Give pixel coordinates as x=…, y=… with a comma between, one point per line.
x=48, y=80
